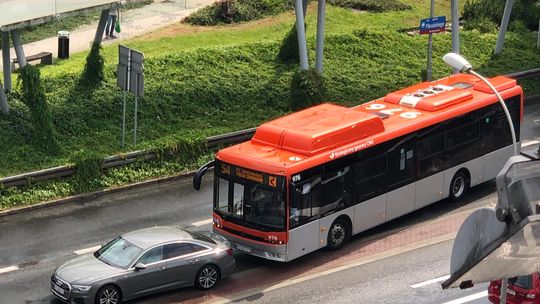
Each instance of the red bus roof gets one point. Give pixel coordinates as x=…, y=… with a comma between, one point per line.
x=304, y=139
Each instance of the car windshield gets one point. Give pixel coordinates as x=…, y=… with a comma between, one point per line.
x=524, y=282
x=252, y=204
x=118, y=253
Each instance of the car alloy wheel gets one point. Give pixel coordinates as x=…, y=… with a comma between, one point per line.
x=109, y=295
x=208, y=277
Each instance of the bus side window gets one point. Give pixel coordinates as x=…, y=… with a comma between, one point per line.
x=370, y=177
x=401, y=164
x=430, y=155
x=336, y=186
x=304, y=205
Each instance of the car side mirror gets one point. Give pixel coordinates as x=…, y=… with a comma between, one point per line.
x=139, y=266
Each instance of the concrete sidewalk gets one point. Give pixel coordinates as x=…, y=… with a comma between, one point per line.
x=133, y=23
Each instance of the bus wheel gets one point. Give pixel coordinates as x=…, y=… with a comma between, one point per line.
x=338, y=235
x=459, y=185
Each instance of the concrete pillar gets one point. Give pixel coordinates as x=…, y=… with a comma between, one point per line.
x=321, y=12
x=504, y=26
x=17, y=44
x=301, y=33
x=454, y=6
x=6, y=62
x=101, y=26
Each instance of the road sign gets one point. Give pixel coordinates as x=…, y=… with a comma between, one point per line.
x=130, y=74
x=432, y=25
x=130, y=78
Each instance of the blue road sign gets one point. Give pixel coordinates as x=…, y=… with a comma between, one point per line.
x=432, y=25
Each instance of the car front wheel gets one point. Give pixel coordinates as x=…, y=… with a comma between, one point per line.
x=207, y=277
x=108, y=295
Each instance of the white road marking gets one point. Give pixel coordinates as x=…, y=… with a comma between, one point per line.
x=8, y=269
x=359, y=262
x=202, y=223
x=530, y=143
x=432, y=281
x=469, y=298
x=87, y=250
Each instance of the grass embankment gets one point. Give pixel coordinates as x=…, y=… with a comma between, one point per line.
x=193, y=92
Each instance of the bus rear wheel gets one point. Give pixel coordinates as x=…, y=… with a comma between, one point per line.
x=338, y=235
x=459, y=185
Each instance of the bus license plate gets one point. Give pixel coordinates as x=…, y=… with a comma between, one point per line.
x=243, y=248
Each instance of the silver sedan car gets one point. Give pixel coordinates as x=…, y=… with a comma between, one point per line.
x=142, y=262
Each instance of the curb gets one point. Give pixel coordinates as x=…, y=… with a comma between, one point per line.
x=81, y=198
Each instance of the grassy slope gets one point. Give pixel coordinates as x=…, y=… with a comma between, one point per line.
x=234, y=81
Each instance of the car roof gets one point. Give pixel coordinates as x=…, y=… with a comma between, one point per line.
x=148, y=237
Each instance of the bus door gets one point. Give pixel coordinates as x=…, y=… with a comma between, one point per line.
x=304, y=217
x=401, y=161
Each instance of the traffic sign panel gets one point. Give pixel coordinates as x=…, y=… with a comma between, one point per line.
x=432, y=25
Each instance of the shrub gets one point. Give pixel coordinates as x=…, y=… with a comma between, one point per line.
x=482, y=24
x=33, y=96
x=371, y=5
x=89, y=166
x=524, y=10
x=93, y=70
x=235, y=11
x=307, y=89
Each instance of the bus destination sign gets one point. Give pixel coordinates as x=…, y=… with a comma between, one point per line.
x=254, y=176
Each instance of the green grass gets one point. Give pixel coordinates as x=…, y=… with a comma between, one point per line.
x=235, y=82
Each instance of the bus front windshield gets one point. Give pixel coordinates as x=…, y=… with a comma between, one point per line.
x=250, y=204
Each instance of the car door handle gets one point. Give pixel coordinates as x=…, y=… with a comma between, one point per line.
x=161, y=268
x=194, y=261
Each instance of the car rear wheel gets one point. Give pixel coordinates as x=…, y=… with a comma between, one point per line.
x=108, y=295
x=207, y=277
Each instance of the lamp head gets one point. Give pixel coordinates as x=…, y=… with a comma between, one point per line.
x=456, y=61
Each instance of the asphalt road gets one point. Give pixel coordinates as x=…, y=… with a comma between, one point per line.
x=34, y=243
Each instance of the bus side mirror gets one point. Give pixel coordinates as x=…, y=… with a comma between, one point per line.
x=197, y=178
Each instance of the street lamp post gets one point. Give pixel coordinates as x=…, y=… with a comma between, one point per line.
x=458, y=62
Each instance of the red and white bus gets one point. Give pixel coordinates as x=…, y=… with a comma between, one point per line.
x=313, y=178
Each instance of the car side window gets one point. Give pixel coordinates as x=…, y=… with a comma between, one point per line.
x=180, y=249
x=152, y=256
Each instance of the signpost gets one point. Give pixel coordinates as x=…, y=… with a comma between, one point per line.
x=130, y=77
x=429, y=26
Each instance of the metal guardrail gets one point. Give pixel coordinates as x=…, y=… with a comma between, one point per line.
x=116, y=160
x=131, y=157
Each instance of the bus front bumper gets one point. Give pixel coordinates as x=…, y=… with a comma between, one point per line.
x=273, y=252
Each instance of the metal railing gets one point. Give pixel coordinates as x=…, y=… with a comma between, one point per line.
x=131, y=157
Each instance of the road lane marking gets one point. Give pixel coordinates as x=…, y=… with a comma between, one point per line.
x=474, y=296
x=530, y=143
x=428, y=282
x=87, y=250
x=202, y=223
x=362, y=261
x=8, y=269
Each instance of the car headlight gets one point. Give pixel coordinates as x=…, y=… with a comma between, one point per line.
x=83, y=288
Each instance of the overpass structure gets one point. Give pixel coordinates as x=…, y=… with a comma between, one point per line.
x=18, y=14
